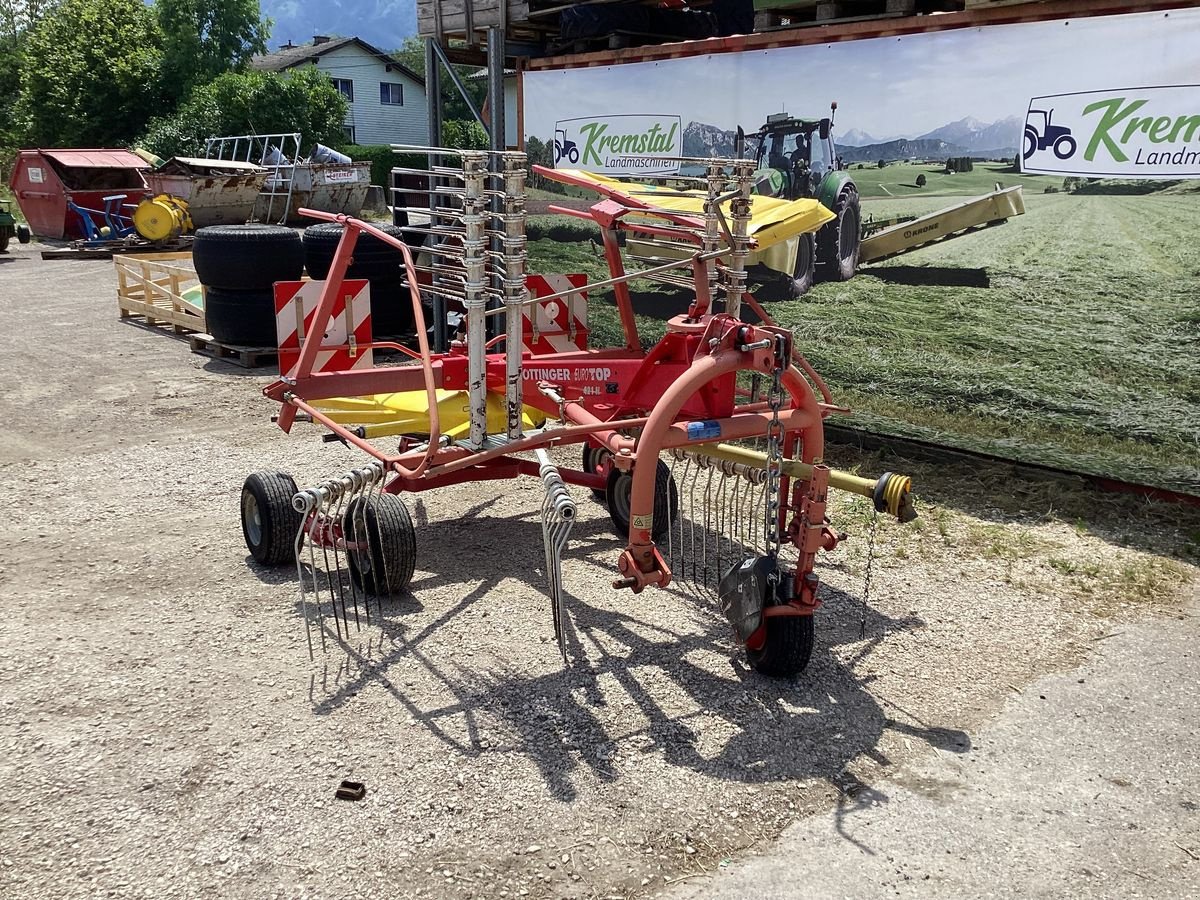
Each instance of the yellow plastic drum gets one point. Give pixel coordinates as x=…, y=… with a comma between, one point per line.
x=162, y=218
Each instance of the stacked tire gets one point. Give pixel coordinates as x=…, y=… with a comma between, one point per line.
x=238, y=266
x=379, y=263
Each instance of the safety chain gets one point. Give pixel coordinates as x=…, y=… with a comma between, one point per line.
x=775, y=437
x=866, y=591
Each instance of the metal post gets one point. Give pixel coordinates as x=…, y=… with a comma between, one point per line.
x=712, y=223
x=513, y=279
x=495, y=105
x=739, y=213
x=474, y=261
x=433, y=106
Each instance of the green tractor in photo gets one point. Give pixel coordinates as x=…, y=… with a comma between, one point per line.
x=10, y=227
x=796, y=159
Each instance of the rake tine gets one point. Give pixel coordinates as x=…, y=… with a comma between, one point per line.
x=558, y=518
x=722, y=525
x=708, y=517
x=331, y=570
x=670, y=523
x=337, y=566
x=338, y=552
x=692, y=517
x=302, y=502
x=326, y=503
x=313, y=523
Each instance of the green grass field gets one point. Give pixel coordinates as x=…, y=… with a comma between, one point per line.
x=900, y=180
x=1069, y=336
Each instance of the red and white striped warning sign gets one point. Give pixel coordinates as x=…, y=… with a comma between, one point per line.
x=555, y=326
x=348, y=329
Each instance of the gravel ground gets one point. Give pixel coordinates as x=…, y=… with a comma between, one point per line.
x=163, y=732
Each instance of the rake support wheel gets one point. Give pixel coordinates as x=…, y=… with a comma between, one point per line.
x=666, y=500
x=383, y=561
x=594, y=460
x=269, y=522
x=786, y=648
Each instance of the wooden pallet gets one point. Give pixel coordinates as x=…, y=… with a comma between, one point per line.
x=151, y=286
x=246, y=357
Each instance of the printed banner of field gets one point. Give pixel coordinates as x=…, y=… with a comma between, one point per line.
x=1069, y=336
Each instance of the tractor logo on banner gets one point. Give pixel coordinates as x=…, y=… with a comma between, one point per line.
x=619, y=145
x=1147, y=132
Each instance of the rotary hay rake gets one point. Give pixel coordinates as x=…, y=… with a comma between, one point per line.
x=707, y=447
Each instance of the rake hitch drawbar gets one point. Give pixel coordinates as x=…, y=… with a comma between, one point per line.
x=711, y=484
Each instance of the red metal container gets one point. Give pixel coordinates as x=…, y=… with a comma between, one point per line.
x=42, y=180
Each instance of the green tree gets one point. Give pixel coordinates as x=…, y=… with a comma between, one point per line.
x=205, y=38
x=303, y=100
x=90, y=74
x=412, y=55
x=464, y=134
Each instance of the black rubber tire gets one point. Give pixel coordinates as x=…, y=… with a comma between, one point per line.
x=372, y=257
x=839, y=242
x=371, y=265
x=391, y=544
x=269, y=522
x=787, y=649
x=24, y=235
x=391, y=308
x=243, y=318
x=247, y=257
x=4, y=239
x=806, y=267
x=666, y=500
x=592, y=455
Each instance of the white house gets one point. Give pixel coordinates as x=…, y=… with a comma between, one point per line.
x=386, y=100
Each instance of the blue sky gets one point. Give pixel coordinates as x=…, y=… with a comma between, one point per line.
x=886, y=86
x=383, y=23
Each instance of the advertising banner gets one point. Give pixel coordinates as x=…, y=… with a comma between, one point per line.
x=1069, y=337
x=1149, y=132
x=619, y=145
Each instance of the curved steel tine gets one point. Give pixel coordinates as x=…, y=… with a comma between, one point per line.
x=327, y=515
x=335, y=522
x=670, y=524
x=318, y=523
x=335, y=573
x=297, y=548
x=341, y=550
x=692, y=519
x=707, y=532
x=719, y=525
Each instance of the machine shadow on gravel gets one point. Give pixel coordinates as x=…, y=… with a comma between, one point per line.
x=569, y=720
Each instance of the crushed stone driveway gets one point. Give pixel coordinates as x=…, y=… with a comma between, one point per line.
x=163, y=732
x=1087, y=785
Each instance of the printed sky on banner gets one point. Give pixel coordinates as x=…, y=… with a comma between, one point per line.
x=964, y=87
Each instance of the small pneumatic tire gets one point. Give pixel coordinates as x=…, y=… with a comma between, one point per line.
x=269, y=521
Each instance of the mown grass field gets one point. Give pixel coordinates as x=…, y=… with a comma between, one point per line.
x=1069, y=336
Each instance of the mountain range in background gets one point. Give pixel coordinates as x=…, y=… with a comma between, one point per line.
x=965, y=137
x=382, y=23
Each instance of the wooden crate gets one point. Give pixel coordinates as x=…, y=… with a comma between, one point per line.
x=459, y=18
x=784, y=13
x=152, y=286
